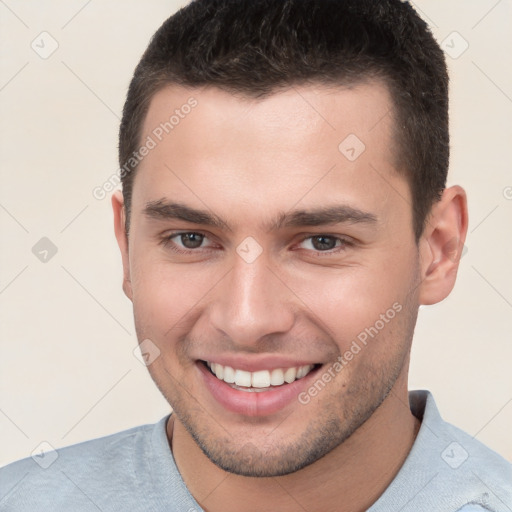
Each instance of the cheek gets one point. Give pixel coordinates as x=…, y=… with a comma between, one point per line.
x=166, y=296
x=360, y=302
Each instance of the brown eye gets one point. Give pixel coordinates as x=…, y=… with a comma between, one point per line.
x=191, y=240
x=189, y=243
x=328, y=244
x=323, y=243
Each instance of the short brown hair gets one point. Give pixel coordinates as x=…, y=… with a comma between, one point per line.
x=256, y=47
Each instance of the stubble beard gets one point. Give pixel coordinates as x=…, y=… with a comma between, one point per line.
x=340, y=416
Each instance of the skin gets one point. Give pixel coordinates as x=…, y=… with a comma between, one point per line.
x=247, y=162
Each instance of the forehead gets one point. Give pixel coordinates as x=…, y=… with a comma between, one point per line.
x=307, y=111
x=302, y=144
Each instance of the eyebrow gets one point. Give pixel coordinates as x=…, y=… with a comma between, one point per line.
x=167, y=210
x=329, y=215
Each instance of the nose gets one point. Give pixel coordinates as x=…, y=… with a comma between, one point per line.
x=252, y=303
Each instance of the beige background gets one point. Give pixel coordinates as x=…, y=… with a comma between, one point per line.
x=67, y=371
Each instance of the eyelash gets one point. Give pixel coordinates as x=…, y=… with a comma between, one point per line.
x=168, y=243
x=345, y=243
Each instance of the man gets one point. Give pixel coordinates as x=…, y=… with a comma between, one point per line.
x=283, y=215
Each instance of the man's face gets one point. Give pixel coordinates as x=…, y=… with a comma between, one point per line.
x=258, y=243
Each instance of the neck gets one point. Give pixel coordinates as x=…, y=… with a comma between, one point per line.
x=350, y=478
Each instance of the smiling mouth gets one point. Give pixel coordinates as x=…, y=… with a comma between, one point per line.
x=259, y=381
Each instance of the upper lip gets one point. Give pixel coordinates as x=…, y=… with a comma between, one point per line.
x=258, y=363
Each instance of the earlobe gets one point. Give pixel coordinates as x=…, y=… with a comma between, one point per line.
x=441, y=245
x=122, y=239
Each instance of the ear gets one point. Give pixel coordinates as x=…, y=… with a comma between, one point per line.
x=122, y=239
x=441, y=245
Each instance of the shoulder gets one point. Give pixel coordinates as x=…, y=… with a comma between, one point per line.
x=476, y=470
x=77, y=474
x=468, y=472
x=472, y=508
x=458, y=449
x=462, y=451
x=447, y=469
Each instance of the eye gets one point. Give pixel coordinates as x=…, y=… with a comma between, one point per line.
x=184, y=241
x=323, y=243
x=191, y=240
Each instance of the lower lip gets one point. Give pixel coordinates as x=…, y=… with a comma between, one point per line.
x=253, y=403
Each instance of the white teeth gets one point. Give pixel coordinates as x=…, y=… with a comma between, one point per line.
x=259, y=379
x=219, y=371
x=229, y=375
x=290, y=374
x=243, y=378
x=277, y=377
x=302, y=371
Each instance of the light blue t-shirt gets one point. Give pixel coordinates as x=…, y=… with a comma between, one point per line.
x=131, y=471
